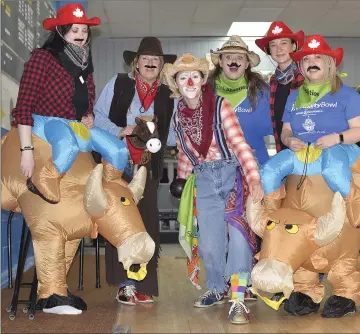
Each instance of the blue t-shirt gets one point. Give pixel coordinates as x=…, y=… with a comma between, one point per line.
x=256, y=124
x=328, y=115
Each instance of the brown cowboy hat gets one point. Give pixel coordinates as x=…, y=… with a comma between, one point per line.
x=150, y=46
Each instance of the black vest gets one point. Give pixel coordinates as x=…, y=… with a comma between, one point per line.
x=124, y=91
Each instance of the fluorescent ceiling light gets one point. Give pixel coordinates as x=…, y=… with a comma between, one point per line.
x=249, y=29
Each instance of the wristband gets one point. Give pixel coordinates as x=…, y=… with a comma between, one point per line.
x=341, y=136
x=27, y=148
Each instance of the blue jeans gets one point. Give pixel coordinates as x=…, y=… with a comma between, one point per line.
x=127, y=283
x=214, y=182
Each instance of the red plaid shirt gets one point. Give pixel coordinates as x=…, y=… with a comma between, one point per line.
x=295, y=84
x=236, y=144
x=47, y=89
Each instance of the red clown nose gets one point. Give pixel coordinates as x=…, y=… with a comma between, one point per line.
x=190, y=82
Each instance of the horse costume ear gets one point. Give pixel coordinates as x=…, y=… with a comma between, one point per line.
x=155, y=119
x=138, y=120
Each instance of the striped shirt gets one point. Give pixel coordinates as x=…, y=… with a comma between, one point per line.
x=236, y=144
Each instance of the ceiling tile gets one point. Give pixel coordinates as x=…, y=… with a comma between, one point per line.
x=138, y=11
x=258, y=15
x=347, y=4
x=173, y=15
x=217, y=11
x=266, y=3
x=209, y=29
x=96, y=8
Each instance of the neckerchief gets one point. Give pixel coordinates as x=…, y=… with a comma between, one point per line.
x=284, y=77
x=197, y=123
x=235, y=91
x=311, y=93
x=78, y=55
x=146, y=92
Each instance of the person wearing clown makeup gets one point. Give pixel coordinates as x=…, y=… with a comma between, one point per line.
x=55, y=102
x=211, y=147
x=278, y=43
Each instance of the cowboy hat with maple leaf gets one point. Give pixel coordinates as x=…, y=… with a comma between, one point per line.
x=315, y=44
x=71, y=13
x=279, y=29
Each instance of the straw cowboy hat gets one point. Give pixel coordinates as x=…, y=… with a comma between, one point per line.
x=70, y=14
x=187, y=62
x=279, y=29
x=150, y=46
x=316, y=44
x=235, y=45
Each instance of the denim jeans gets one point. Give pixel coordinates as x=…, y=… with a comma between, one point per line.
x=214, y=182
x=127, y=283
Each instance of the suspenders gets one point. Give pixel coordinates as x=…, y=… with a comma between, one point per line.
x=218, y=133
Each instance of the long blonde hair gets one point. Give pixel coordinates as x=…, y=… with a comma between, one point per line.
x=330, y=73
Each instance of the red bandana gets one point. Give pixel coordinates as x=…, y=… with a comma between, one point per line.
x=197, y=123
x=138, y=156
x=146, y=93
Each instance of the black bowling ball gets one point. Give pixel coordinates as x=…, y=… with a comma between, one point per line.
x=177, y=187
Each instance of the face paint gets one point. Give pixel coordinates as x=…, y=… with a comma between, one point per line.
x=234, y=65
x=313, y=66
x=189, y=83
x=149, y=67
x=78, y=34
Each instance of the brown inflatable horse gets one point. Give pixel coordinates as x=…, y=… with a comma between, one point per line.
x=306, y=232
x=93, y=199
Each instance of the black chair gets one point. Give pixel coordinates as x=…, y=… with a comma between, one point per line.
x=81, y=266
x=9, y=225
x=30, y=303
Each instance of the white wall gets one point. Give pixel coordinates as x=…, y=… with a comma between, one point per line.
x=9, y=93
x=108, y=59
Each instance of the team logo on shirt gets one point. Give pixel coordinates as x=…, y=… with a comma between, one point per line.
x=309, y=125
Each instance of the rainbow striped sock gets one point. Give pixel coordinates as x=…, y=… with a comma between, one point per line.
x=238, y=285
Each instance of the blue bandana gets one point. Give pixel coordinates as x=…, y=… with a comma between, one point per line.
x=284, y=77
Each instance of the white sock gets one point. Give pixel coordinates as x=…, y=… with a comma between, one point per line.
x=63, y=309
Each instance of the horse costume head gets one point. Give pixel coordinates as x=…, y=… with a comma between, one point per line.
x=144, y=140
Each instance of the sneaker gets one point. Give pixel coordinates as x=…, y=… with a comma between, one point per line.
x=126, y=295
x=239, y=313
x=209, y=298
x=143, y=298
x=249, y=295
x=277, y=296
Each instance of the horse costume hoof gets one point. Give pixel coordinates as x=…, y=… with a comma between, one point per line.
x=300, y=304
x=69, y=305
x=337, y=307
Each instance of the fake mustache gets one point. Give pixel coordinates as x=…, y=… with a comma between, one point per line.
x=150, y=66
x=234, y=65
x=313, y=68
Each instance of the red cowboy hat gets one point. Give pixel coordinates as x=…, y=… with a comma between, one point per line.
x=278, y=30
x=70, y=14
x=316, y=44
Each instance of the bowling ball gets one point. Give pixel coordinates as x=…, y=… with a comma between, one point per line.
x=177, y=187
